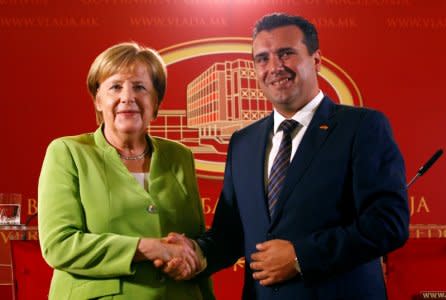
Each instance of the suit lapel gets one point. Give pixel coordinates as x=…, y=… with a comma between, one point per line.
x=115, y=169
x=163, y=181
x=319, y=129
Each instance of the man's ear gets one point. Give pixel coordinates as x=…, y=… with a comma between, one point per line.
x=317, y=57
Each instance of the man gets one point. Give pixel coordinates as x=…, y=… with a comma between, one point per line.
x=312, y=205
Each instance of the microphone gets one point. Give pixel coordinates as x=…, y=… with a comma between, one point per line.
x=426, y=166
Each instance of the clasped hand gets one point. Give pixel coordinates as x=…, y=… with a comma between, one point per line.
x=174, y=254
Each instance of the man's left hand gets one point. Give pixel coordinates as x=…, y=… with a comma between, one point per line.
x=273, y=262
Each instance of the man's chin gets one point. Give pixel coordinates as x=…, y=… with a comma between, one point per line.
x=282, y=100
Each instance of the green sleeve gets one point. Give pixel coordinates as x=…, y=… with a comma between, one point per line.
x=65, y=241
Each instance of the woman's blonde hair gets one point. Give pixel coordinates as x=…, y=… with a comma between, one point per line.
x=124, y=57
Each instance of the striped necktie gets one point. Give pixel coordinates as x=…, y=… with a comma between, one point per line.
x=280, y=165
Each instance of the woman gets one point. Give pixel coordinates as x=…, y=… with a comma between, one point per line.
x=106, y=198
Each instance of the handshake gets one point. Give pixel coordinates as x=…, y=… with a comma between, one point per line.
x=274, y=261
x=178, y=256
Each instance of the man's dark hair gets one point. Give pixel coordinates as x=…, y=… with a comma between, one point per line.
x=275, y=20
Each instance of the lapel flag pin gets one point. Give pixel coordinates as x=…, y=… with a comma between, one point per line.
x=323, y=127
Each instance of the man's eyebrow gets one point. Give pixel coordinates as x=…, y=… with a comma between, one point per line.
x=278, y=51
x=285, y=49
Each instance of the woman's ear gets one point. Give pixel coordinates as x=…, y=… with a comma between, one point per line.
x=97, y=104
x=155, y=113
x=155, y=109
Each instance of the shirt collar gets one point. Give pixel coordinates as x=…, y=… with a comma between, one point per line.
x=303, y=116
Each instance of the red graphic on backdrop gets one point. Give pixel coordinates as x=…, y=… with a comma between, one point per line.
x=224, y=97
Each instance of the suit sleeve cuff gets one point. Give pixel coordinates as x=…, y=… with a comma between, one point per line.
x=201, y=258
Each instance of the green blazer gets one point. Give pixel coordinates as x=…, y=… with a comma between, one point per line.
x=92, y=212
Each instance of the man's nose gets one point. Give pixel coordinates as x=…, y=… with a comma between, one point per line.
x=276, y=63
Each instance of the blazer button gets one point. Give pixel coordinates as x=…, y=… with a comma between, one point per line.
x=152, y=209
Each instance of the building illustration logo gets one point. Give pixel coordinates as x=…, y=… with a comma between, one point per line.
x=226, y=97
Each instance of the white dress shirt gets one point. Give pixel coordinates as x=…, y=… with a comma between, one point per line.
x=304, y=117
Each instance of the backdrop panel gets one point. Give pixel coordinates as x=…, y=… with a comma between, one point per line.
x=383, y=54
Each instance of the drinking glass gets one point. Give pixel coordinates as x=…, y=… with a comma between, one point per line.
x=10, y=205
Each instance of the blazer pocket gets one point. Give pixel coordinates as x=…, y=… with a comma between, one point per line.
x=95, y=288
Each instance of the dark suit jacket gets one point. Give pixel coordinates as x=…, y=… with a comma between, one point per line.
x=343, y=206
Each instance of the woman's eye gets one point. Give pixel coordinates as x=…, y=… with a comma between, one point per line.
x=140, y=88
x=115, y=87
